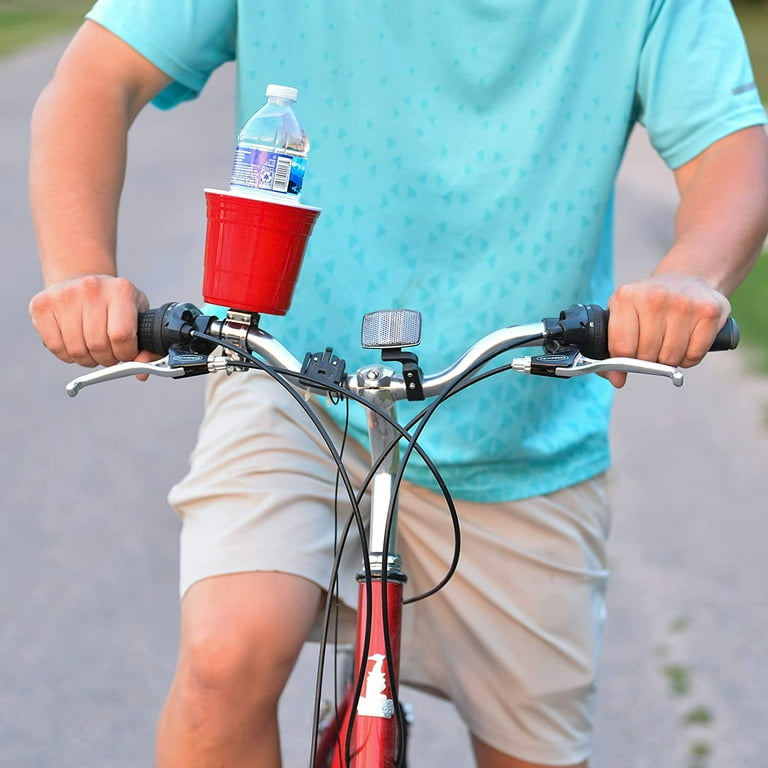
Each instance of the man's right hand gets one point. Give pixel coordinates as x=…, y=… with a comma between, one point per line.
x=90, y=320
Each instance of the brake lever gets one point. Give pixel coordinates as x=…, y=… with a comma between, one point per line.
x=571, y=363
x=124, y=370
x=624, y=365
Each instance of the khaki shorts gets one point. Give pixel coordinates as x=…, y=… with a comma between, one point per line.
x=513, y=640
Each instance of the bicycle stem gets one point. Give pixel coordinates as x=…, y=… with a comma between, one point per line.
x=385, y=455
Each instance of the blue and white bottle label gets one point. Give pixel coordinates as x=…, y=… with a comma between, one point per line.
x=261, y=169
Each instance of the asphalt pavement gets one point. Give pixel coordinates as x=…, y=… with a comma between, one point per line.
x=88, y=547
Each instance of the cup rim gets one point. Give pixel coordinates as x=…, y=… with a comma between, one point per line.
x=287, y=203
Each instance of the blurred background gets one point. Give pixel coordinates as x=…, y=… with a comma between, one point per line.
x=88, y=547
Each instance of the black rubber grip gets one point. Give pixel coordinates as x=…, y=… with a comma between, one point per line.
x=595, y=342
x=150, y=330
x=728, y=337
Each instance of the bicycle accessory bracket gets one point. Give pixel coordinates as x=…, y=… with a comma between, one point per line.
x=390, y=330
x=324, y=366
x=412, y=374
x=236, y=327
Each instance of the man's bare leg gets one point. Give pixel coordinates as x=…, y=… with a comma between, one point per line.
x=240, y=637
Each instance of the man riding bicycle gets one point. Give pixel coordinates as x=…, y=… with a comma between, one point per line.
x=464, y=155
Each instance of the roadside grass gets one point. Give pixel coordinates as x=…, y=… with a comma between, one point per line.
x=749, y=305
x=694, y=717
x=26, y=21
x=749, y=302
x=753, y=17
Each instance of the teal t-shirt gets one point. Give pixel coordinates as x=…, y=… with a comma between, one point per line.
x=464, y=156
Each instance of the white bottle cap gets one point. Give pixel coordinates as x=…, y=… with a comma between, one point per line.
x=282, y=92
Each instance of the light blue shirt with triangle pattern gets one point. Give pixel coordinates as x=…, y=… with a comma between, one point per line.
x=464, y=155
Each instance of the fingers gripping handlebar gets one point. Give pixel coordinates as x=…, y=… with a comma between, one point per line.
x=586, y=326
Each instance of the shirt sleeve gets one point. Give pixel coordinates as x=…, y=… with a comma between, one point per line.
x=186, y=39
x=695, y=82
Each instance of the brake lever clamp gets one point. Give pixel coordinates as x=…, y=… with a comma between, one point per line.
x=549, y=364
x=191, y=361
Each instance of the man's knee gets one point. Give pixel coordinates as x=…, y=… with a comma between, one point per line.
x=241, y=635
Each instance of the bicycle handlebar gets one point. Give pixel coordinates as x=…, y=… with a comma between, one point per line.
x=576, y=343
x=584, y=326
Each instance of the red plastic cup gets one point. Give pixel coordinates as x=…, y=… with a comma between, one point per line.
x=253, y=251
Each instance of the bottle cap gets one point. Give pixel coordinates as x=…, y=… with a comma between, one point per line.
x=282, y=92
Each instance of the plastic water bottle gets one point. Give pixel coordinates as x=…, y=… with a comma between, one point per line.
x=271, y=154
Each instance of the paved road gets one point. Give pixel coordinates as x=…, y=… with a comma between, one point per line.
x=88, y=612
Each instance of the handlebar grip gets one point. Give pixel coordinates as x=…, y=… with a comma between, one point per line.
x=595, y=343
x=728, y=337
x=150, y=330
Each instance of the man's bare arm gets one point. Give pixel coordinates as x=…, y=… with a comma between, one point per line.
x=720, y=227
x=79, y=131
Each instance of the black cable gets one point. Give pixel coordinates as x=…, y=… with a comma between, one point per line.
x=247, y=360
x=422, y=419
x=337, y=600
x=368, y=580
x=367, y=632
x=412, y=444
x=425, y=414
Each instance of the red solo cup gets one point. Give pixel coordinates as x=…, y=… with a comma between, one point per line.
x=253, y=251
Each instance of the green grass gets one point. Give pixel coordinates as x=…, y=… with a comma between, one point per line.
x=753, y=16
x=750, y=308
x=678, y=678
x=26, y=21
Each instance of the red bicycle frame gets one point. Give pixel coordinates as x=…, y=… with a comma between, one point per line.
x=374, y=731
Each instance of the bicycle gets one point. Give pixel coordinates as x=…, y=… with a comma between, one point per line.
x=368, y=726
